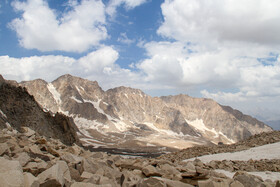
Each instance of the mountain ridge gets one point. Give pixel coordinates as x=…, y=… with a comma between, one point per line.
x=19, y=109
x=125, y=117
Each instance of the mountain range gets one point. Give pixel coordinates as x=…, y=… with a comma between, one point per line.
x=127, y=118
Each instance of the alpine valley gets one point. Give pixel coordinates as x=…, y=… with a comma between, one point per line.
x=127, y=119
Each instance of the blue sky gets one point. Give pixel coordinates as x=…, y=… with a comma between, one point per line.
x=225, y=50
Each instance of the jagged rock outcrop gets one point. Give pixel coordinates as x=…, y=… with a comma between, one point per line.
x=126, y=117
x=19, y=109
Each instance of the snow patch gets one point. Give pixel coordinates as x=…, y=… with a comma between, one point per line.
x=199, y=125
x=264, y=175
x=54, y=92
x=120, y=125
x=269, y=151
x=126, y=95
x=75, y=99
x=2, y=113
x=83, y=123
x=163, y=131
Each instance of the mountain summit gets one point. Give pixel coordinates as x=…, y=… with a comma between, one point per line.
x=124, y=117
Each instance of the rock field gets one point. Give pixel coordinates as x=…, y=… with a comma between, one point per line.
x=28, y=159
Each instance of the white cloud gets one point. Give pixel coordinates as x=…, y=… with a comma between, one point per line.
x=77, y=30
x=98, y=65
x=217, y=50
x=128, y=4
x=203, y=21
x=124, y=39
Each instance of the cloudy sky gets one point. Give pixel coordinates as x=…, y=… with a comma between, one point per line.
x=226, y=50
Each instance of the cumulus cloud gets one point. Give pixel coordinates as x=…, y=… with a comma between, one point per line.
x=76, y=30
x=98, y=65
x=221, y=49
x=128, y=4
x=203, y=21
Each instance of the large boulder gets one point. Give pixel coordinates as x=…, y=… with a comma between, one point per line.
x=30, y=180
x=11, y=174
x=246, y=179
x=57, y=175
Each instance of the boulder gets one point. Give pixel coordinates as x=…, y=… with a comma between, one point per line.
x=28, y=132
x=30, y=180
x=214, y=182
x=71, y=158
x=86, y=175
x=23, y=158
x=170, y=172
x=161, y=182
x=246, y=179
x=130, y=164
x=190, y=167
x=35, y=167
x=129, y=178
x=35, y=150
x=236, y=184
x=75, y=149
x=4, y=149
x=151, y=182
x=98, y=155
x=11, y=174
x=89, y=165
x=151, y=171
x=57, y=175
x=85, y=184
x=53, y=152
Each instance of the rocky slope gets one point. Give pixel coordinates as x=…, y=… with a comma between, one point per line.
x=19, y=109
x=29, y=160
x=128, y=118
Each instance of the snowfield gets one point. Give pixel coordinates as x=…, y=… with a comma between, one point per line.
x=269, y=151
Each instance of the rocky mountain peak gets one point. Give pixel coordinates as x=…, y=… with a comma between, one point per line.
x=124, y=117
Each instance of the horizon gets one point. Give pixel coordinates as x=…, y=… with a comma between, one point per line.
x=164, y=47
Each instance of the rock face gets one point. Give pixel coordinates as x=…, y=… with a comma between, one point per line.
x=128, y=118
x=19, y=109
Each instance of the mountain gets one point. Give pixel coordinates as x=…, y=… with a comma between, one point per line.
x=128, y=118
x=19, y=109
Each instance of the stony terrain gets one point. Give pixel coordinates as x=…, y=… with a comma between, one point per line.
x=127, y=118
x=28, y=159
